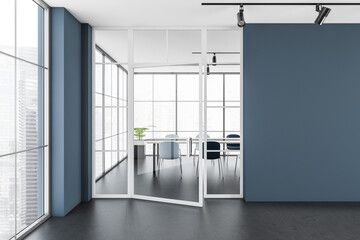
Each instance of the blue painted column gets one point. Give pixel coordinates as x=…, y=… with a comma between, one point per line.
x=86, y=94
x=65, y=112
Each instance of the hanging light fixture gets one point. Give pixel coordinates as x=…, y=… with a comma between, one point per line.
x=240, y=17
x=323, y=13
x=214, y=60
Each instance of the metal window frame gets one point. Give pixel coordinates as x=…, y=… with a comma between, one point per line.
x=46, y=147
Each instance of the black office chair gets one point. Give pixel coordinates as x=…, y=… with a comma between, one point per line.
x=233, y=146
x=212, y=146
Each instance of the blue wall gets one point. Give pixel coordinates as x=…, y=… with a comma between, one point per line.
x=86, y=94
x=66, y=111
x=301, y=112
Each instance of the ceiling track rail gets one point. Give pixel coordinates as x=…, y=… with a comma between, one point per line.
x=280, y=4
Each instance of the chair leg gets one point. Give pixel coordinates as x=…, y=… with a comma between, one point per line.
x=158, y=163
x=219, y=165
x=180, y=166
x=236, y=162
x=159, y=166
x=197, y=168
x=222, y=169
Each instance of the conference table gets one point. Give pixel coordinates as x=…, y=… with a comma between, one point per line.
x=189, y=142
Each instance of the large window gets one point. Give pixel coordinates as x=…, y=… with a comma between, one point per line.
x=110, y=113
x=168, y=103
x=23, y=121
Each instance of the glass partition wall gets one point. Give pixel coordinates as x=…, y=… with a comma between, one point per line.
x=111, y=159
x=185, y=94
x=223, y=111
x=24, y=108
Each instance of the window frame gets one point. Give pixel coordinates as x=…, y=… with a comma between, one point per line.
x=44, y=118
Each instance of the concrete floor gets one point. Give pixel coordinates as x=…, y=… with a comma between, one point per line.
x=218, y=219
x=170, y=183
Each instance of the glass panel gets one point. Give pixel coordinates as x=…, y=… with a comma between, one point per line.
x=182, y=44
x=108, y=101
x=164, y=87
x=107, y=122
x=224, y=41
x=7, y=27
x=99, y=145
x=98, y=164
x=108, y=77
x=215, y=134
x=188, y=116
x=150, y=46
x=29, y=188
x=108, y=160
x=114, y=86
x=108, y=143
x=215, y=87
x=164, y=116
x=114, y=143
x=98, y=57
x=29, y=30
x=27, y=106
x=114, y=43
x=223, y=173
x=232, y=119
x=114, y=121
x=124, y=88
x=143, y=87
x=143, y=114
x=114, y=159
x=7, y=197
x=98, y=123
x=99, y=78
x=188, y=87
x=232, y=87
x=214, y=119
x=113, y=46
x=7, y=104
x=98, y=99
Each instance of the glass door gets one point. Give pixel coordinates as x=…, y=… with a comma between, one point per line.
x=166, y=118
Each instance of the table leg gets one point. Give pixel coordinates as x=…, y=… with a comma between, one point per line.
x=157, y=152
x=154, y=159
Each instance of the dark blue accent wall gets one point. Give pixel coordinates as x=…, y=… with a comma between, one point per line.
x=86, y=94
x=301, y=112
x=67, y=76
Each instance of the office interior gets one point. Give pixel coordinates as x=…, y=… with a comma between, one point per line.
x=217, y=121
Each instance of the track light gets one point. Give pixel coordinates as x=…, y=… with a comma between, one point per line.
x=240, y=17
x=323, y=13
x=214, y=60
x=208, y=70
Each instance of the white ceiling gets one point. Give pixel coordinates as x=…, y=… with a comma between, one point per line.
x=190, y=13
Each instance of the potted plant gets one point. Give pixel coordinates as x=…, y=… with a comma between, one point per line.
x=139, y=133
x=139, y=144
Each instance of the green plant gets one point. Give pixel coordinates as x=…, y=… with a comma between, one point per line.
x=139, y=133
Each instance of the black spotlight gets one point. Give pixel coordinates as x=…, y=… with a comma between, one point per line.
x=208, y=70
x=323, y=13
x=214, y=60
x=240, y=17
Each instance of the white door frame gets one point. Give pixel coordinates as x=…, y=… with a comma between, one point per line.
x=200, y=201
x=130, y=117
